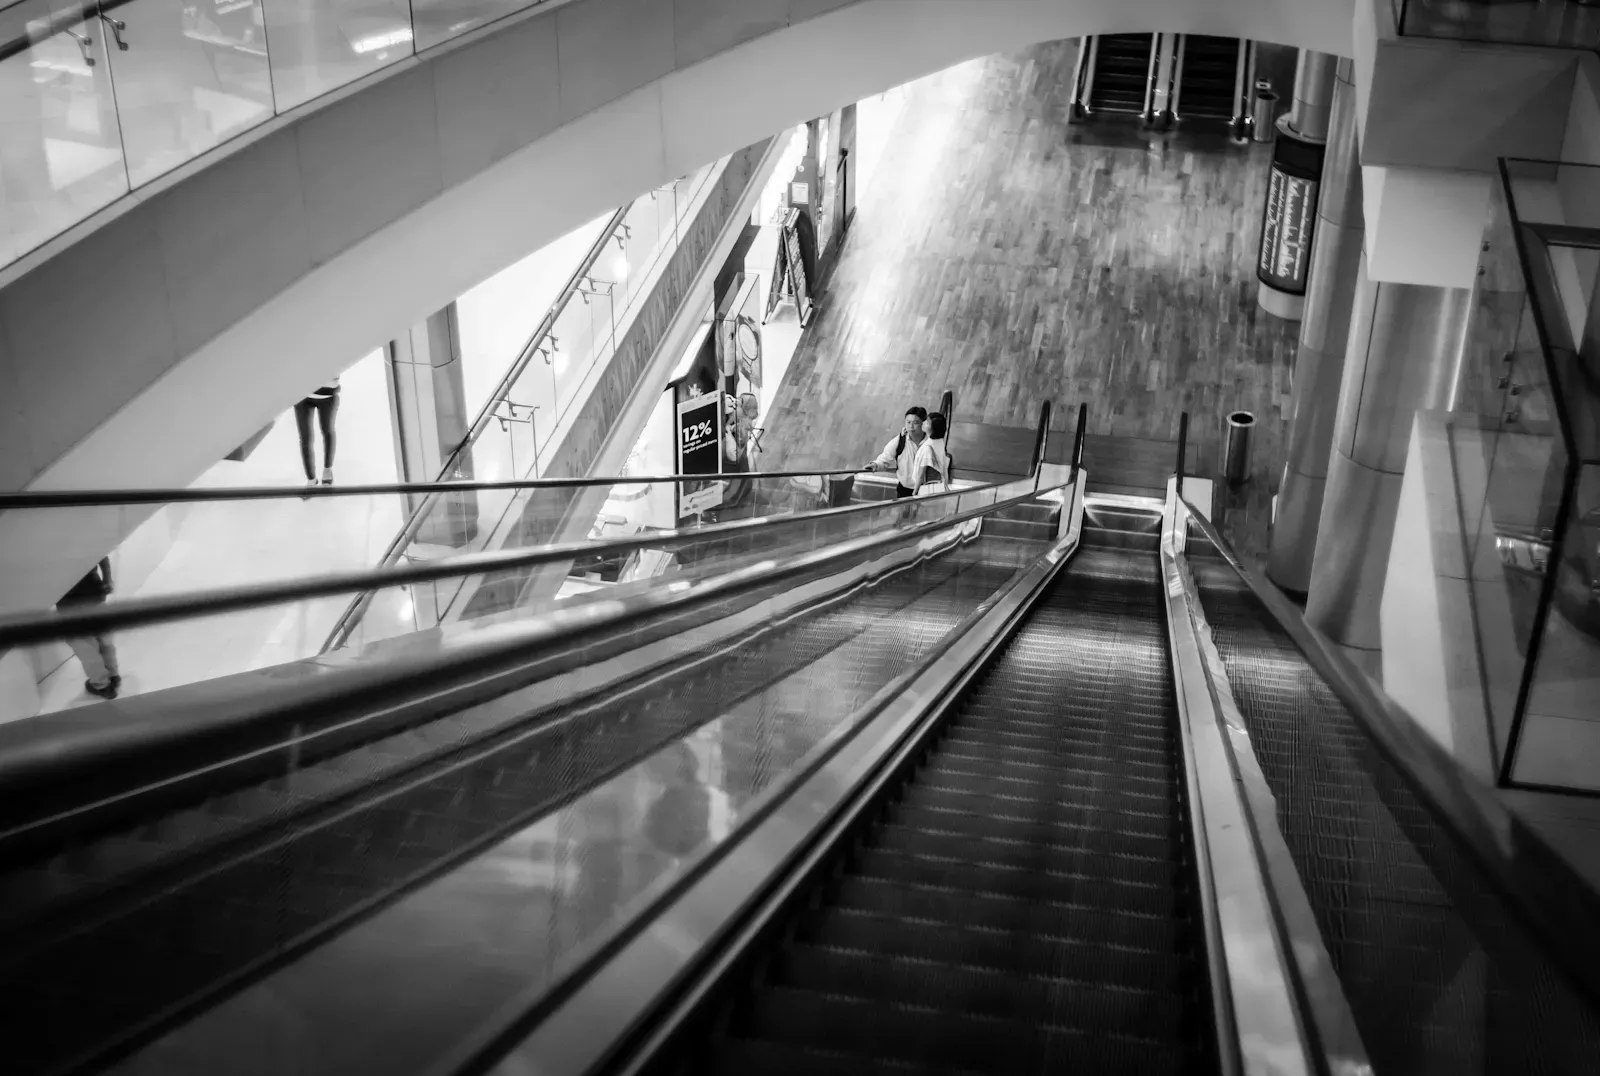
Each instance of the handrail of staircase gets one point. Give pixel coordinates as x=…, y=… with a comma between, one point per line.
x=1077, y=438
x=1556, y=904
x=111, y=498
x=39, y=627
x=1183, y=447
x=1041, y=439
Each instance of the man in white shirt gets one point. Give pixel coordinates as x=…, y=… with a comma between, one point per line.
x=900, y=454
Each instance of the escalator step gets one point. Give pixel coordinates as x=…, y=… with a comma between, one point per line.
x=969, y=754
x=1088, y=960
x=1139, y=886
x=745, y=1057
x=939, y=984
x=1143, y=814
x=1061, y=921
x=943, y=1037
x=1076, y=783
x=1019, y=736
x=931, y=831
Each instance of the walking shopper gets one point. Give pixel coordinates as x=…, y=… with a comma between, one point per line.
x=900, y=454
x=325, y=403
x=96, y=653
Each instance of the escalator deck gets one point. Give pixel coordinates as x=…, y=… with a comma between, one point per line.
x=1027, y=901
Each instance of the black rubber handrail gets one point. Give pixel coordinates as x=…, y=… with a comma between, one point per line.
x=110, y=498
x=1555, y=903
x=32, y=629
x=1077, y=438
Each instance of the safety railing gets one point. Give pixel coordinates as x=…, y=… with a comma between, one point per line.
x=78, y=79
x=507, y=585
x=1556, y=23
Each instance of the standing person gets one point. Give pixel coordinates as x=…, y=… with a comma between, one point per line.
x=932, y=466
x=900, y=454
x=96, y=653
x=325, y=402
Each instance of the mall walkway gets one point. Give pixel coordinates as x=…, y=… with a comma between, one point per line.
x=1012, y=257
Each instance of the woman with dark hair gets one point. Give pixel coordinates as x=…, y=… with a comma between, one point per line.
x=932, y=466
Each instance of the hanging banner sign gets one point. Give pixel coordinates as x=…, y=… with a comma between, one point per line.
x=699, y=451
x=1289, y=220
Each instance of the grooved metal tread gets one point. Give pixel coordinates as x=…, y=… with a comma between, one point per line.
x=1024, y=903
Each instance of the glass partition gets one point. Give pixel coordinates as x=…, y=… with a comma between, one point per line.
x=100, y=98
x=1563, y=23
x=470, y=593
x=1524, y=446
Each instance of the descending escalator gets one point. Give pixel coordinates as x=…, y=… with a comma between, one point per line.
x=1026, y=901
x=1209, y=76
x=111, y=936
x=1121, y=73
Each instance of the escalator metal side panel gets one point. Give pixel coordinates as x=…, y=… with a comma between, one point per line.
x=1259, y=1025
x=1325, y=1006
x=664, y=973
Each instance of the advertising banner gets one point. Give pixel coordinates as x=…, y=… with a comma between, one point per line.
x=699, y=452
x=1289, y=219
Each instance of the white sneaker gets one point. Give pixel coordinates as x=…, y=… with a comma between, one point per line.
x=327, y=476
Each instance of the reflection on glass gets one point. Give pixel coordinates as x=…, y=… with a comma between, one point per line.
x=192, y=75
x=60, y=147
x=320, y=45
x=1561, y=22
x=438, y=21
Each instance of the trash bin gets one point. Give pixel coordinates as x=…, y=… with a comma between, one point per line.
x=1236, y=459
x=1263, y=111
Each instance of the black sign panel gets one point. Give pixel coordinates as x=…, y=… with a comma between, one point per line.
x=700, y=451
x=1289, y=219
x=797, y=267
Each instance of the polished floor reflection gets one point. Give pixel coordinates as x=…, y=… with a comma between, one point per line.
x=1006, y=255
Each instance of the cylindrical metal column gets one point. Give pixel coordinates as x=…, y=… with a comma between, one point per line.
x=1314, y=75
x=1407, y=343
x=1324, y=336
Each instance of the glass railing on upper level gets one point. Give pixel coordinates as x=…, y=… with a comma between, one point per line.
x=1558, y=23
x=99, y=98
x=1523, y=444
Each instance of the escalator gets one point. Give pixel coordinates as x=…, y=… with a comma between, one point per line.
x=1121, y=73
x=967, y=824
x=1210, y=78
x=198, y=896
x=1026, y=899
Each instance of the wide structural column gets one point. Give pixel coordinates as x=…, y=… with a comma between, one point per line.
x=429, y=399
x=1288, y=223
x=1407, y=344
x=1324, y=337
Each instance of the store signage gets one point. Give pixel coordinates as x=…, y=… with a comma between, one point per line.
x=1289, y=220
x=800, y=193
x=699, y=451
x=797, y=267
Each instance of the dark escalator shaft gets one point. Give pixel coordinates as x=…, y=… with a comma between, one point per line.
x=1122, y=70
x=1210, y=75
x=1027, y=903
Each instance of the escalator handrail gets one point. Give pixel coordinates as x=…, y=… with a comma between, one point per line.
x=1556, y=904
x=39, y=627
x=100, y=498
x=38, y=751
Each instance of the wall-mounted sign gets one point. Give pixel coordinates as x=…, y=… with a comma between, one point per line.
x=800, y=193
x=700, y=451
x=1289, y=220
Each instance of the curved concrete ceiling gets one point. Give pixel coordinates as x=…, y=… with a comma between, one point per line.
x=142, y=354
